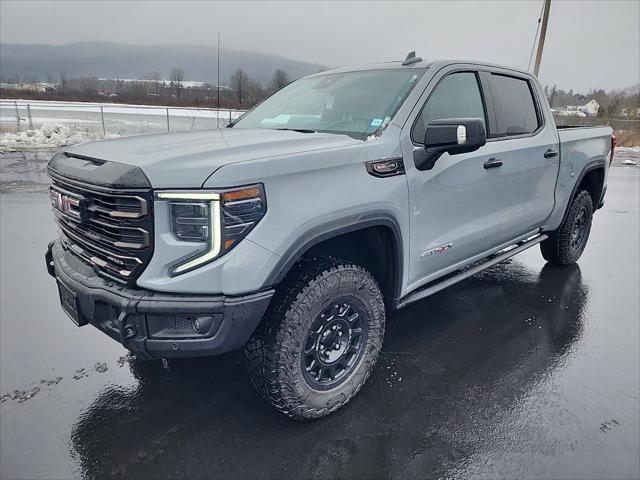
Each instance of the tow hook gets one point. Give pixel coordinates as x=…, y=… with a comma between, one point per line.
x=129, y=331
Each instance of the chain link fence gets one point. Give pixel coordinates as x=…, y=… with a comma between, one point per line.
x=615, y=123
x=110, y=119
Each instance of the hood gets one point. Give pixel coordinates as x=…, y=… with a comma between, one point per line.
x=187, y=159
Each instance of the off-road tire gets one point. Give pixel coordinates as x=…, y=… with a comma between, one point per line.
x=274, y=354
x=559, y=248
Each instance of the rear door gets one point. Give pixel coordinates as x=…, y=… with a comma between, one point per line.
x=527, y=145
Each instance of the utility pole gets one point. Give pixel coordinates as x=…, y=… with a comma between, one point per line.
x=218, y=87
x=543, y=33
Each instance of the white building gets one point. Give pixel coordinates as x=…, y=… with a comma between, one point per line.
x=589, y=109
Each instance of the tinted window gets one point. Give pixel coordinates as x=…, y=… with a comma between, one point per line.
x=514, y=106
x=457, y=96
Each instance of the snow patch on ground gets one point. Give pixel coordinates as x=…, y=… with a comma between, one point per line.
x=49, y=136
x=628, y=155
x=628, y=149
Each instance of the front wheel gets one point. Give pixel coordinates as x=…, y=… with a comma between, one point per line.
x=566, y=244
x=320, y=339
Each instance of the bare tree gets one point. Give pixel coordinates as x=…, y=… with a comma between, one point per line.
x=153, y=83
x=64, y=83
x=51, y=83
x=255, y=93
x=554, y=92
x=88, y=85
x=240, y=85
x=279, y=80
x=177, y=77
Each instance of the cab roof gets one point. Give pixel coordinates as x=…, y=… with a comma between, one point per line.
x=420, y=65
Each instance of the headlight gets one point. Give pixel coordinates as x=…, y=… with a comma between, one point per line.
x=191, y=221
x=219, y=220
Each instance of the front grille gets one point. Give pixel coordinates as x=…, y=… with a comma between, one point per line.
x=111, y=229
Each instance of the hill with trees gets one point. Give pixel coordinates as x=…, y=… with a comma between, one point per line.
x=40, y=63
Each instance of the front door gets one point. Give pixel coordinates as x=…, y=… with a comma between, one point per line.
x=455, y=208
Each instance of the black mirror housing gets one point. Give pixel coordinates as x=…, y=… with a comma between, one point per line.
x=451, y=135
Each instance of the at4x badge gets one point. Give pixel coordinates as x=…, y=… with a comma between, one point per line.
x=433, y=251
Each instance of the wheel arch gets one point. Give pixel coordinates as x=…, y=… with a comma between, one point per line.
x=369, y=232
x=591, y=179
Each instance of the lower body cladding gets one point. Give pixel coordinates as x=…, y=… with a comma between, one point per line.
x=153, y=324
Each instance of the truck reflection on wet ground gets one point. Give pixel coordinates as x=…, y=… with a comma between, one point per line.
x=467, y=355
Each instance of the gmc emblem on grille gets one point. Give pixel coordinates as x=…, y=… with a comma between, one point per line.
x=74, y=206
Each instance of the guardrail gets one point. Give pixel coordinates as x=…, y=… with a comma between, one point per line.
x=104, y=118
x=615, y=123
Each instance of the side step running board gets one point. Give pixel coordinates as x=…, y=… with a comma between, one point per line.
x=438, y=285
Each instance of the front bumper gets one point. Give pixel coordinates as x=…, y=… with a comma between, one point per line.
x=154, y=324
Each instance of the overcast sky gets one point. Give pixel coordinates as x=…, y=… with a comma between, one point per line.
x=589, y=43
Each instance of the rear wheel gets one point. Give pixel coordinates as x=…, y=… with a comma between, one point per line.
x=566, y=244
x=320, y=339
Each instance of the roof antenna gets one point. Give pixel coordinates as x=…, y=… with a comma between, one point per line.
x=411, y=59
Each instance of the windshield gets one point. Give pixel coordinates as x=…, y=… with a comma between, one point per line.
x=352, y=103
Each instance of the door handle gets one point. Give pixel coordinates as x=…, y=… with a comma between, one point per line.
x=492, y=163
x=550, y=153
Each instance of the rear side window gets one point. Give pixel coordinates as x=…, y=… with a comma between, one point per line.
x=514, y=105
x=457, y=96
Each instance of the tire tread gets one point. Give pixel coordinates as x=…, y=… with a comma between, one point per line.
x=556, y=249
x=268, y=349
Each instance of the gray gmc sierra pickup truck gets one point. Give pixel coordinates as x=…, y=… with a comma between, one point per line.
x=293, y=232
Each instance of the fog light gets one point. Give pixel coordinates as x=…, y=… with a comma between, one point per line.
x=183, y=326
x=202, y=325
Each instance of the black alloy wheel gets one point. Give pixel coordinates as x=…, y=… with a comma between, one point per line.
x=334, y=343
x=579, y=230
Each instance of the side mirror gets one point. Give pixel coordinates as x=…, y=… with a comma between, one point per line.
x=451, y=135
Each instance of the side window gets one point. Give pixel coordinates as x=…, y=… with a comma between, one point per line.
x=457, y=96
x=514, y=105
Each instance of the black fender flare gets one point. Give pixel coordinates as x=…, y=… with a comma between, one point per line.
x=589, y=167
x=335, y=228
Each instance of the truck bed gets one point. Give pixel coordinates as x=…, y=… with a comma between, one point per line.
x=596, y=140
x=581, y=148
x=565, y=127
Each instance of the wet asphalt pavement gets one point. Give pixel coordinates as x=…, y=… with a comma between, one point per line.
x=523, y=371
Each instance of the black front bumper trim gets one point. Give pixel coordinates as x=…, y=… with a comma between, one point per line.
x=155, y=324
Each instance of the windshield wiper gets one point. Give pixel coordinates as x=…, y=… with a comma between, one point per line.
x=301, y=130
